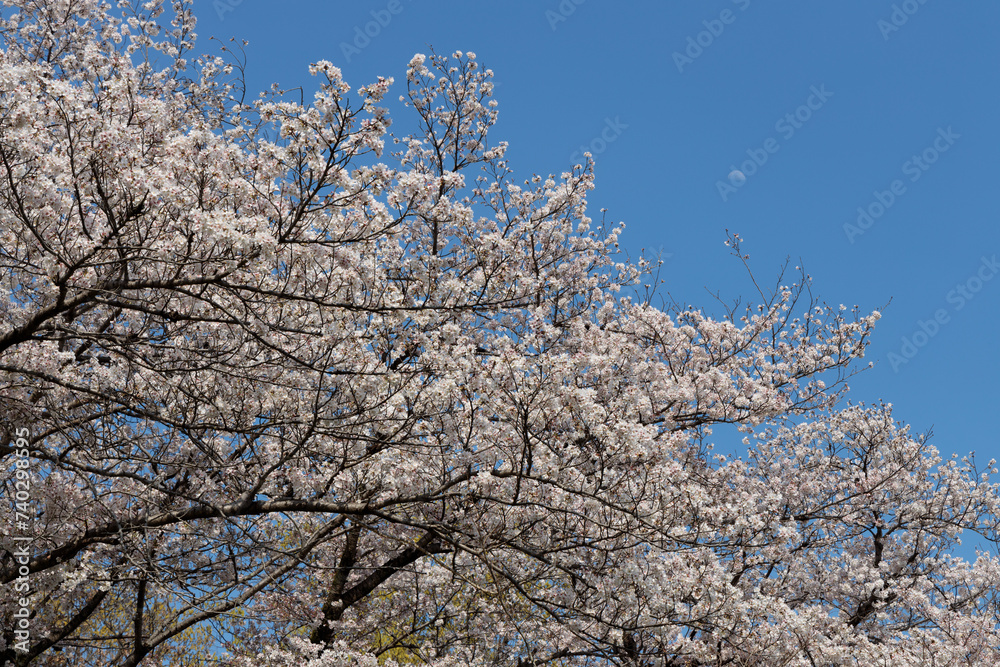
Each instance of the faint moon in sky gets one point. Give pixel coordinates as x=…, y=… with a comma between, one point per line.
x=736, y=177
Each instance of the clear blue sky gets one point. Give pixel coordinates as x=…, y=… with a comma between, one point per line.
x=870, y=86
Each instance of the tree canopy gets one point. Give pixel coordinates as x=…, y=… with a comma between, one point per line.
x=281, y=387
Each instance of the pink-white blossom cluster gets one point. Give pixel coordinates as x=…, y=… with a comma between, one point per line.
x=303, y=391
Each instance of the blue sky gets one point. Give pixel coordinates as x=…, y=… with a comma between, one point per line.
x=887, y=107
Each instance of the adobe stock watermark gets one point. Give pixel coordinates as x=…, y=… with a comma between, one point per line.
x=562, y=12
x=22, y=537
x=608, y=135
x=914, y=168
x=958, y=297
x=714, y=28
x=901, y=13
x=364, y=34
x=223, y=7
x=787, y=126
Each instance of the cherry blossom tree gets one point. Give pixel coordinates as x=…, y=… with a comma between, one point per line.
x=296, y=390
